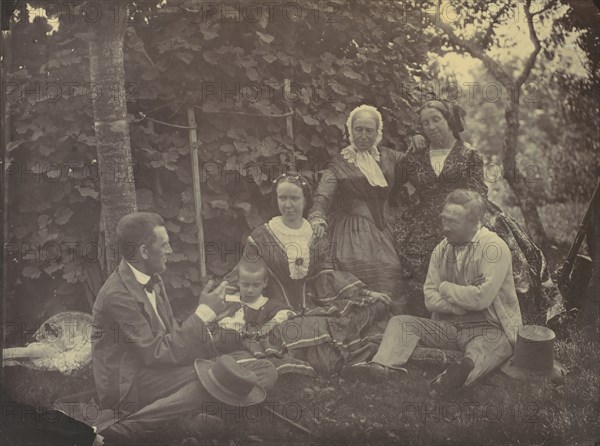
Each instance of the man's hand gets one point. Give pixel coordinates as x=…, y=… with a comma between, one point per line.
x=458, y=310
x=454, y=308
x=479, y=280
x=374, y=296
x=214, y=299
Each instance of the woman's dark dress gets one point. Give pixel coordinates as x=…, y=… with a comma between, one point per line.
x=418, y=231
x=359, y=225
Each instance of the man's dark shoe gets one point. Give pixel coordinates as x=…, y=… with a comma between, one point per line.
x=372, y=372
x=453, y=378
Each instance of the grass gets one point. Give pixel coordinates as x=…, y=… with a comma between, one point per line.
x=496, y=411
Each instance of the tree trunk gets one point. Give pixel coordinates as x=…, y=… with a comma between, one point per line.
x=514, y=178
x=117, y=188
x=5, y=68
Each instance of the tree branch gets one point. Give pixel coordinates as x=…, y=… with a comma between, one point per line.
x=543, y=10
x=530, y=62
x=136, y=44
x=474, y=50
x=485, y=40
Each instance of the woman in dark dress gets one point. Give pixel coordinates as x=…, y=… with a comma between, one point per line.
x=449, y=164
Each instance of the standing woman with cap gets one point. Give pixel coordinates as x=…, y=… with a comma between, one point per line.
x=450, y=164
x=351, y=204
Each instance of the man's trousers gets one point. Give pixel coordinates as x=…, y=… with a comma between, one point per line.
x=485, y=344
x=168, y=394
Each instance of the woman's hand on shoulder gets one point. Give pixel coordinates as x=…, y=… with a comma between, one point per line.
x=318, y=226
x=318, y=229
x=416, y=144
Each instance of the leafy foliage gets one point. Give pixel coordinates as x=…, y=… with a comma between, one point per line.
x=232, y=71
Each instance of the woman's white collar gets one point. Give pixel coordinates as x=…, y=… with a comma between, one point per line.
x=349, y=153
x=278, y=224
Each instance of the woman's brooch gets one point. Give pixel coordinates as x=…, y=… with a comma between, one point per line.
x=299, y=261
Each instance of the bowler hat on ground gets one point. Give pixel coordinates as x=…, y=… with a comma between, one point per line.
x=534, y=355
x=228, y=382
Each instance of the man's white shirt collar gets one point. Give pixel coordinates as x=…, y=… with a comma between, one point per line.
x=476, y=234
x=141, y=277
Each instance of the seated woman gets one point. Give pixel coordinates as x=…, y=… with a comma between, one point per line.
x=450, y=164
x=336, y=319
x=352, y=203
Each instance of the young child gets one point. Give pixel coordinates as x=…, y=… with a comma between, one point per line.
x=256, y=315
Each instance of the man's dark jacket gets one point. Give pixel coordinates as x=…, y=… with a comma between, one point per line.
x=128, y=336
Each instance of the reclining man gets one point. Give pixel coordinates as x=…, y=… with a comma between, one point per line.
x=471, y=293
x=143, y=359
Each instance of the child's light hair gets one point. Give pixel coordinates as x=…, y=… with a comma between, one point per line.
x=253, y=265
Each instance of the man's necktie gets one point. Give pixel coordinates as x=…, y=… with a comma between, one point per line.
x=160, y=305
x=162, y=311
x=149, y=286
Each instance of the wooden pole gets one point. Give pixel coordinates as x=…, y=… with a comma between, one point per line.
x=197, y=192
x=287, y=420
x=6, y=42
x=289, y=119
